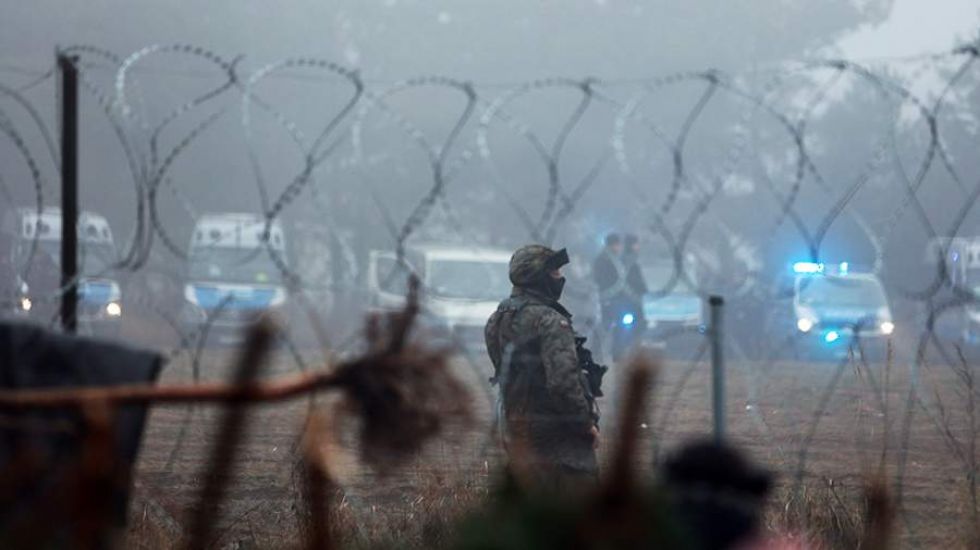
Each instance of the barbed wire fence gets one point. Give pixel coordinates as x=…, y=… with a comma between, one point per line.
x=524, y=162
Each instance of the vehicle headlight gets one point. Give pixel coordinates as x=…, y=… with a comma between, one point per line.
x=887, y=327
x=805, y=324
x=806, y=318
x=25, y=304
x=113, y=309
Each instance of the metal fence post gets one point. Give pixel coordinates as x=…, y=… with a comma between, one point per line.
x=716, y=333
x=69, y=191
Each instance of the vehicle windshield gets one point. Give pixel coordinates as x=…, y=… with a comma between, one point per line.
x=94, y=259
x=468, y=280
x=831, y=291
x=233, y=265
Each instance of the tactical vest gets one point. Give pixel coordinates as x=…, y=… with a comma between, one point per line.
x=508, y=310
x=523, y=347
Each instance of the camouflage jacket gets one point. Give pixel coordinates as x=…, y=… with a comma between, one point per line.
x=546, y=404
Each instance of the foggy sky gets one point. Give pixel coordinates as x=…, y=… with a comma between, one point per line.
x=493, y=39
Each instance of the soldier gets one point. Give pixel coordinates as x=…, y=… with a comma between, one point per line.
x=546, y=413
x=609, y=275
x=636, y=288
x=636, y=284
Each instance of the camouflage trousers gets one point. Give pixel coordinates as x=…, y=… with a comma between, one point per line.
x=544, y=475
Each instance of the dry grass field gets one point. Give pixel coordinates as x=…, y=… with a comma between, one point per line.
x=840, y=424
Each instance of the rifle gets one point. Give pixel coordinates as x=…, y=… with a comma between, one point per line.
x=593, y=371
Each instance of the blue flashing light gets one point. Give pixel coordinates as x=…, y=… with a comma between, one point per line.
x=628, y=319
x=843, y=267
x=807, y=267
x=831, y=337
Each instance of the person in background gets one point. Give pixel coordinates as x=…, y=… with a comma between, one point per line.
x=636, y=287
x=609, y=275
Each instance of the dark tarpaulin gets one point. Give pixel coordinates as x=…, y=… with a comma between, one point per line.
x=40, y=450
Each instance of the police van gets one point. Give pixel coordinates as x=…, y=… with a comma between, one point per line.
x=232, y=278
x=36, y=255
x=461, y=287
x=834, y=308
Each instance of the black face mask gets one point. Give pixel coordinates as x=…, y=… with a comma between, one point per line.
x=553, y=286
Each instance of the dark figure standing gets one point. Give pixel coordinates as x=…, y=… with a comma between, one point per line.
x=636, y=286
x=547, y=413
x=609, y=275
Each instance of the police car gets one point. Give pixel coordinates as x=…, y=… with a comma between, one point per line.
x=231, y=277
x=36, y=251
x=461, y=287
x=834, y=308
x=672, y=315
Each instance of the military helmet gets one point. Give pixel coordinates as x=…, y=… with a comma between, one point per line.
x=530, y=262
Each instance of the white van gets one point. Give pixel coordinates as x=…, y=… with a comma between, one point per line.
x=461, y=287
x=36, y=255
x=231, y=275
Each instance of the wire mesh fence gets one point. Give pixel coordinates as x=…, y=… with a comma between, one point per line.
x=829, y=201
